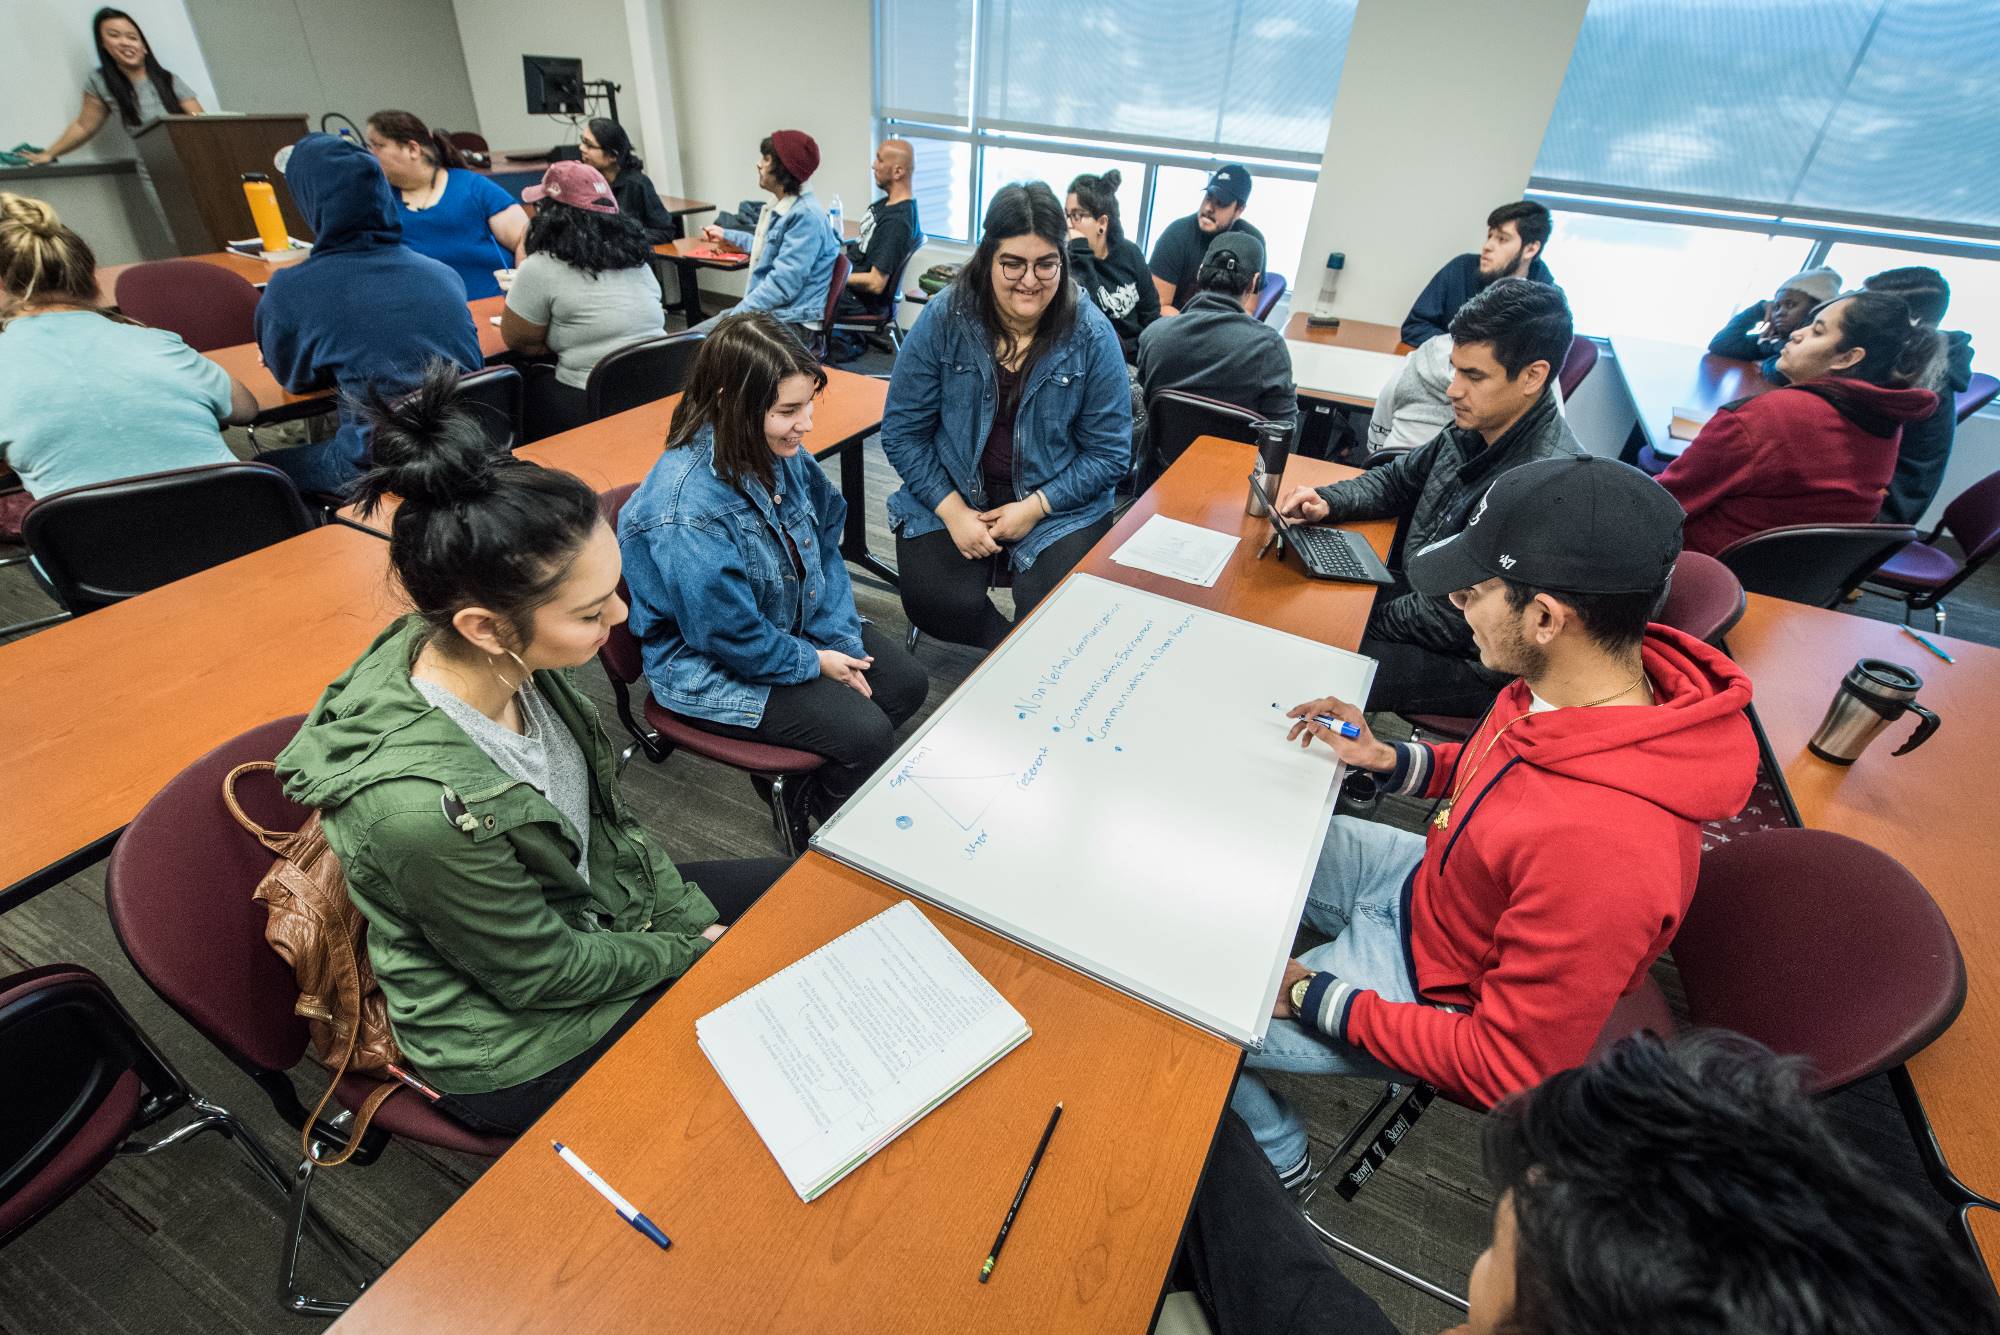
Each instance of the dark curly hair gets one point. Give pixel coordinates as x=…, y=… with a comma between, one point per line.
x=583, y=239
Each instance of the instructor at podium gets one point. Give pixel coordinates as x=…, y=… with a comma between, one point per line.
x=128, y=80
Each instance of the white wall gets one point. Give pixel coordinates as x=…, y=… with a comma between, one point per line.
x=1440, y=114
x=49, y=50
x=496, y=33
x=356, y=58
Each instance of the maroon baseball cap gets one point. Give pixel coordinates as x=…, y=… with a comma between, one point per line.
x=577, y=184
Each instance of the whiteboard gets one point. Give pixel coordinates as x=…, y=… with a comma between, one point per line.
x=50, y=50
x=1112, y=788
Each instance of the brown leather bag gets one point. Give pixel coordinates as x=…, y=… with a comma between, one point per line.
x=314, y=927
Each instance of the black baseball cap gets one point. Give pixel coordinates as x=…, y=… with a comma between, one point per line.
x=1229, y=185
x=1578, y=524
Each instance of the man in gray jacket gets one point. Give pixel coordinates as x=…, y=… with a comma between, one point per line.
x=1215, y=348
x=1507, y=345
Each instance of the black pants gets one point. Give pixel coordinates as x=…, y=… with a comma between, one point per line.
x=1255, y=1263
x=855, y=732
x=731, y=886
x=551, y=407
x=944, y=594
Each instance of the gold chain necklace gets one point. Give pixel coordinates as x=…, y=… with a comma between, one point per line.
x=1443, y=818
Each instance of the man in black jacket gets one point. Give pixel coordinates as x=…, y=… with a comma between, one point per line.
x=1515, y=236
x=1507, y=345
x=1217, y=349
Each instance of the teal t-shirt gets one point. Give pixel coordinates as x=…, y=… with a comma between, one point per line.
x=456, y=230
x=85, y=399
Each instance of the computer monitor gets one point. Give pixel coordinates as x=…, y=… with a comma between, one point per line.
x=555, y=85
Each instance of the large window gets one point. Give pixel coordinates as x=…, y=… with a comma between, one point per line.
x=993, y=91
x=1663, y=281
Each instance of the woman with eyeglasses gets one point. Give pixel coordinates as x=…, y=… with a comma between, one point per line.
x=605, y=146
x=1010, y=422
x=1109, y=268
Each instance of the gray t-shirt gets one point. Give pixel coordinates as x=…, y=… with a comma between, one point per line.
x=546, y=756
x=586, y=317
x=144, y=93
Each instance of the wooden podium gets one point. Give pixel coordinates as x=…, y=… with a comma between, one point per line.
x=197, y=165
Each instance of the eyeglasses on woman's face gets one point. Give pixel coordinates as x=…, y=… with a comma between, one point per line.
x=1014, y=268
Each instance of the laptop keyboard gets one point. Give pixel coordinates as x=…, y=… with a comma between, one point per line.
x=1327, y=550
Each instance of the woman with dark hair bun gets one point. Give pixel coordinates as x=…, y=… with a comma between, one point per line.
x=519, y=919
x=585, y=289
x=740, y=597
x=1822, y=449
x=448, y=212
x=1010, y=422
x=1111, y=270
x=605, y=146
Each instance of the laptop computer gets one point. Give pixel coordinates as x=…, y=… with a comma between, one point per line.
x=1325, y=552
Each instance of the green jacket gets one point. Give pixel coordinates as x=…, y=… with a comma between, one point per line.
x=498, y=960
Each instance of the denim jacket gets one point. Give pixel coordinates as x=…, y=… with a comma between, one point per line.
x=1072, y=430
x=721, y=613
x=793, y=271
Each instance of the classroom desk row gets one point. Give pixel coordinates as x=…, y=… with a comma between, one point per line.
x=1667, y=378
x=896, y=1246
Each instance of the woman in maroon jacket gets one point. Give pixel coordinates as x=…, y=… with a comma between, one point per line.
x=1822, y=449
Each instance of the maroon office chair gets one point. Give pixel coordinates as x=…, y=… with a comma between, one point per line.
x=1815, y=564
x=178, y=891
x=84, y=1082
x=1782, y=923
x=883, y=321
x=665, y=732
x=1922, y=575
x=1704, y=599
x=207, y=305
x=466, y=141
x=836, y=285
x=1582, y=356
x=1268, y=294
x=1976, y=395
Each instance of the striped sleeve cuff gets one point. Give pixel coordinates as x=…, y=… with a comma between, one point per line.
x=1328, y=1000
x=1412, y=774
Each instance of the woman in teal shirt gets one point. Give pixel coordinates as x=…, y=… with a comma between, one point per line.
x=448, y=213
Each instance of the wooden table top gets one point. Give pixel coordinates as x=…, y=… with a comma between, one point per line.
x=247, y=267
x=101, y=711
x=896, y=1246
x=1985, y=1227
x=245, y=361
x=1208, y=486
x=1359, y=334
x=1927, y=809
x=1666, y=376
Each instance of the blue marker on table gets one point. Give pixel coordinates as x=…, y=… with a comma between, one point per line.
x=626, y=1210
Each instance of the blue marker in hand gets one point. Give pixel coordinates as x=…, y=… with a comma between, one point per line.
x=1341, y=726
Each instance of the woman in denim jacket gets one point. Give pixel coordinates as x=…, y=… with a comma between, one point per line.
x=793, y=249
x=1010, y=421
x=740, y=598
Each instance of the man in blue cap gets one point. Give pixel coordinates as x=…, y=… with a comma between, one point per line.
x=1177, y=254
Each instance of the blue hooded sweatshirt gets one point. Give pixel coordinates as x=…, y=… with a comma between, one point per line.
x=362, y=310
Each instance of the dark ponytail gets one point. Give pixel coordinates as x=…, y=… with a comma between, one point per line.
x=407, y=128
x=1899, y=350
x=477, y=527
x=1098, y=196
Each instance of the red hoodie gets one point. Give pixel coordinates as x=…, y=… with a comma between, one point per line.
x=1820, y=452
x=1565, y=870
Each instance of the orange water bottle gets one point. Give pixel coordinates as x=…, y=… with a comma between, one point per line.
x=264, y=211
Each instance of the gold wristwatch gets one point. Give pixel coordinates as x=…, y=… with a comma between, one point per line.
x=1299, y=993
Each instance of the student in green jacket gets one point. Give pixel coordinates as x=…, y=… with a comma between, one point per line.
x=519, y=919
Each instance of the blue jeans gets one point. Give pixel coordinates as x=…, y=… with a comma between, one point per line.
x=1356, y=897
x=326, y=468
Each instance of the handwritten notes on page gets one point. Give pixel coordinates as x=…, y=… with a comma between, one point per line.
x=837, y=1055
x=1180, y=551
x=1112, y=787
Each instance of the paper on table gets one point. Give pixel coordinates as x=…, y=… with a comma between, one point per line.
x=837, y=1055
x=1185, y=552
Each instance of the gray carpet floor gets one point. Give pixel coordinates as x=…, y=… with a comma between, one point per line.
x=188, y=1240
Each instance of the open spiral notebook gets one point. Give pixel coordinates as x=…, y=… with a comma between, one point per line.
x=835, y=1056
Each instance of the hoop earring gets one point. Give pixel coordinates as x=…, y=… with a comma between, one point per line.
x=513, y=687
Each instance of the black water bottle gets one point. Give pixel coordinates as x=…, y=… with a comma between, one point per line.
x=1274, y=446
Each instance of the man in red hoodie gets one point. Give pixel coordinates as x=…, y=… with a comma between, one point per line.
x=1561, y=855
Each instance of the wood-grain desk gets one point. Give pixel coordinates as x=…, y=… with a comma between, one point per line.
x=690, y=256
x=1984, y=1226
x=1362, y=335
x=101, y=711
x=1931, y=810
x=897, y=1245
x=249, y=268
x=1663, y=377
x=245, y=361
